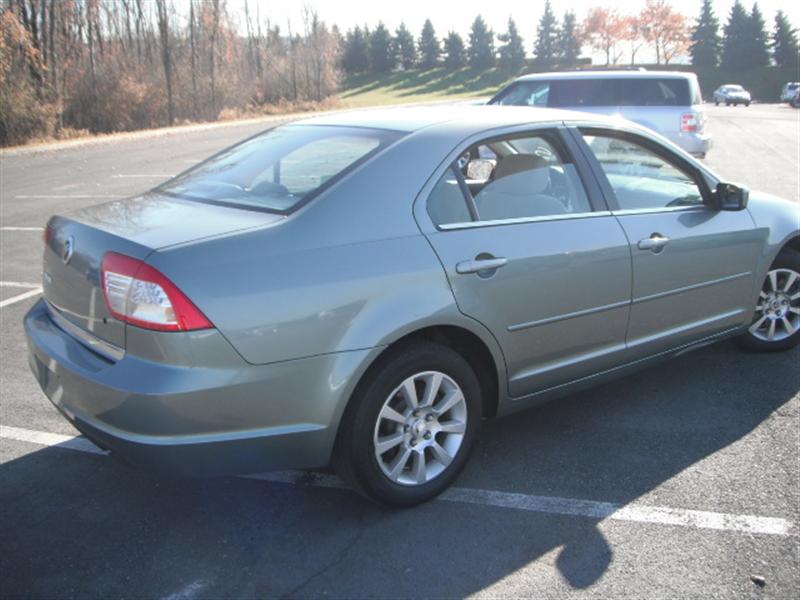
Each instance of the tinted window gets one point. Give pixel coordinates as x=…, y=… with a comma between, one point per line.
x=654, y=92
x=447, y=204
x=583, y=92
x=524, y=93
x=640, y=178
x=279, y=169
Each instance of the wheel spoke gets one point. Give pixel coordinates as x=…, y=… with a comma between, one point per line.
x=385, y=444
x=453, y=397
x=773, y=280
x=790, y=281
x=453, y=427
x=755, y=326
x=409, y=393
x=432, y=384
x=392, y=415
x=441, y=454
x=787, y=324
x=795, y=310
x=795, y=296
x=771, y=332
x=762, y=294
x=418, y=471
x=399, y=464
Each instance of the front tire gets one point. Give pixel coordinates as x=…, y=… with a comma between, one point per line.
x=410, y=425
x=776, y=322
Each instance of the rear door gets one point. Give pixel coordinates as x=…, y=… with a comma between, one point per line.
x=530, y=254
x=693, y=265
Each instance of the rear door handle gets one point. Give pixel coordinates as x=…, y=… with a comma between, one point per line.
x=480, y=264
x=654, y=243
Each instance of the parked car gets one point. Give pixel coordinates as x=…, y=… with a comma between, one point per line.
x=732, y=94
x=366, y=287
x=669, y=103
x=795, y=101
x=789, y=91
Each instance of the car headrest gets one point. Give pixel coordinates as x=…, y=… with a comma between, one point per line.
x=521, y=174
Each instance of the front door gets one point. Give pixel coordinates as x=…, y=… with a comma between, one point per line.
x=693, y=265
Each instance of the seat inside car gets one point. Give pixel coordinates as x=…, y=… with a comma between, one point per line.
x=518, y=190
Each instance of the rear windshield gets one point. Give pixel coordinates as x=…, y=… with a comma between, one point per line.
x=278, y=170
x=560, y=93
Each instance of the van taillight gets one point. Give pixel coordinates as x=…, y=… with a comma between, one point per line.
x=139, y=294
x=690, y=123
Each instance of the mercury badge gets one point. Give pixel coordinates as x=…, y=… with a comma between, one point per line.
x=69, y=248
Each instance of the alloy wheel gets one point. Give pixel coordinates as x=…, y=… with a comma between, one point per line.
x=777, y=314
x=420, y=428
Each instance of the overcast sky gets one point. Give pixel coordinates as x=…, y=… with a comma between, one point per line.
x=458, y=15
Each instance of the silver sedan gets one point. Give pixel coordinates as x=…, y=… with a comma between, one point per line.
x=365, y=288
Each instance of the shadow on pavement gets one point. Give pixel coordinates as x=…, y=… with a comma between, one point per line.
x=81, y=525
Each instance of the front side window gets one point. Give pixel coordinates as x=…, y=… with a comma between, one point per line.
x=281, y=168
x=524, y=93
x=642, y=179
x=514, y=178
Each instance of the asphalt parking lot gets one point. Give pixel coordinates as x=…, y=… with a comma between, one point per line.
x=681, y=481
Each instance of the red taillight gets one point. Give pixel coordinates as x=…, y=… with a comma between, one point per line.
x=140, y=295
x=47, y=235
x=690, y=123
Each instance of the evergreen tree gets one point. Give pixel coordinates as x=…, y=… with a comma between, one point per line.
x=380, y=49
x=481, y=45
x=454, y=55
x=569, y=43
x=706, y=42
x=512, y=52
x=405, y=51
x=545, y=51
x=758, y=50
x=355, y=58
x=429, y=48
x=784, y=42
x=735, y=43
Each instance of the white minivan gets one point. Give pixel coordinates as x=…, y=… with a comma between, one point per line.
x=668, y=102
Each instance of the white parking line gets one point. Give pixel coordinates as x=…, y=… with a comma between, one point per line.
x=20, y=297
x=636, y=513
x=66, y=196
x=21, y=228
x=153, y=176
x=18, y=284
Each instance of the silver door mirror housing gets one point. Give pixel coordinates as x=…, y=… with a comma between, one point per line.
x=729, y=196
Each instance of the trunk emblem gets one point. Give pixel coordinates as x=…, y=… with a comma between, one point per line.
x=69, y=248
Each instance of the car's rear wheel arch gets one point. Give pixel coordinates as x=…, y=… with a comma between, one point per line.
x=792, y=244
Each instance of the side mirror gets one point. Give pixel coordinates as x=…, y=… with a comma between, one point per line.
x=731, y=197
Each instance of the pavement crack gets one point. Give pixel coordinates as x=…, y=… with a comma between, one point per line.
x=362, y=529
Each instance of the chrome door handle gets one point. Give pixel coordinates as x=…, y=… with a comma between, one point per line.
x=655, y=243
x=480, y=264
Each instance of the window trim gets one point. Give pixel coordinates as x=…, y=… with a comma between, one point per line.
x=563, y=144
x=677, y=161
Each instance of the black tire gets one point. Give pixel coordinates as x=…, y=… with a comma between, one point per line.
x=747, y=104
x=788, y=260
x=716, y=103
x=354, y=455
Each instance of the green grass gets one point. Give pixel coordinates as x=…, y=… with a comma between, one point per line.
x=423, y=86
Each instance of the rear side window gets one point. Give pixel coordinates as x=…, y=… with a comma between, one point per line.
x=654, y=92
x=583, y=92
x=517, y=177
x=281, y=168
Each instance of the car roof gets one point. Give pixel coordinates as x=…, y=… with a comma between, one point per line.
x=469, y=118
x=607, y=75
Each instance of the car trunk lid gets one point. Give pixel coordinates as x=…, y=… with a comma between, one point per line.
x=76, y=245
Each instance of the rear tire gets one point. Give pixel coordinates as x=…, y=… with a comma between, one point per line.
x=400, y=456
x=776, y=322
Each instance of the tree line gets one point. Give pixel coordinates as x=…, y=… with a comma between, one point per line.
x=112, y=65
x=743, y=42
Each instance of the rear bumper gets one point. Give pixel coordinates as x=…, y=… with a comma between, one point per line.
x=696, y=144
x=225, y=418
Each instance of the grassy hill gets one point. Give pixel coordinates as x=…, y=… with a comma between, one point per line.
x=422, y=86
